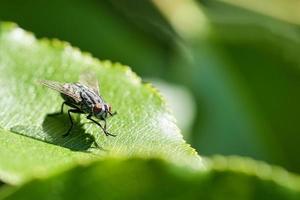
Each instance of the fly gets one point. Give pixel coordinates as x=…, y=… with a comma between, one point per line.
x=83, y=98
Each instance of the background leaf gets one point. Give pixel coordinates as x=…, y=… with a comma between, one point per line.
x=225, y=178
x=259, y=49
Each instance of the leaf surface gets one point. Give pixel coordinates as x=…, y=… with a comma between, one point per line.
x=225, y=178
x=143, y=125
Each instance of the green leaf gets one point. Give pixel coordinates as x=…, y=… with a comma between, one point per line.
x=225, y=178
x=282, y=10
x=144, y=126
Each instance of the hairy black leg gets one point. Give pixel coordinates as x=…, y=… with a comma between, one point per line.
x=61, y=110
x=104, y=124
x=62, y=107
x=71, y=120
x=104, y=129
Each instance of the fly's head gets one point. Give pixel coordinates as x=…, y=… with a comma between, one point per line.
x=102, y=111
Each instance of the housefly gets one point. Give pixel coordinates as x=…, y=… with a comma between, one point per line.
x=83, y=98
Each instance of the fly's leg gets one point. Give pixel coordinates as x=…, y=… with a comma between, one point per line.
x=104, y=129
x=62, y=107
x=61, y=110
x=71, y=120
x=104, y=124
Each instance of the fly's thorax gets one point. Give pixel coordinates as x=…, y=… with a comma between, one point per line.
x=90, y=101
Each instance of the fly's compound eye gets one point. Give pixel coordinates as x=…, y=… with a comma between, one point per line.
x=97, y=108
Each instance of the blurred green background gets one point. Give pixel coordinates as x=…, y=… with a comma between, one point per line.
x=229, y=69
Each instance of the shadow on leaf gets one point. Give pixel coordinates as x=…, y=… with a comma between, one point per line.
x=53, y=129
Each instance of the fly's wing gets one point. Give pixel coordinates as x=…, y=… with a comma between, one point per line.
x=89, y=79
x=64, y=88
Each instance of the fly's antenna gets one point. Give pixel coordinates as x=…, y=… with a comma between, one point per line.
x=112, y=114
